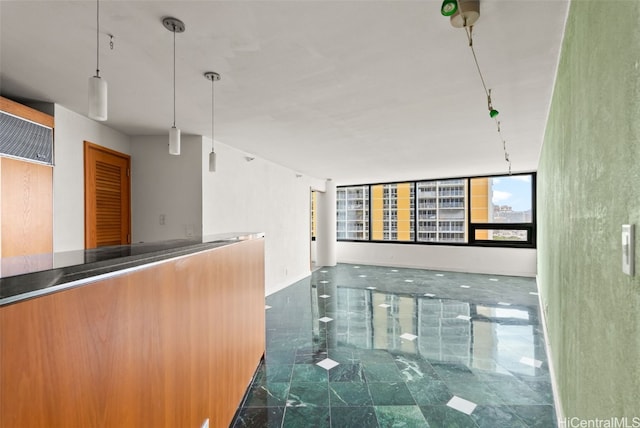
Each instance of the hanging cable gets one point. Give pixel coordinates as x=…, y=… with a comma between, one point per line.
x=493, y=113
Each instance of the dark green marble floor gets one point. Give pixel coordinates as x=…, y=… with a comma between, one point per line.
x=368, y=346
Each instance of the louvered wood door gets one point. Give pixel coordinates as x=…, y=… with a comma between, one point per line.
x=107, y=196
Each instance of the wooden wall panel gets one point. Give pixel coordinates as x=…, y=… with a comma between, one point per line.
x=166, y=346
x=27, y=208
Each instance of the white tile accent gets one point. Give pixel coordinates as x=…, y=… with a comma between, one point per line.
x=356, y=267
x=408, y=280
x=384, y=305
x=533, y=293
x=465, y=286
x=531, y=362
x=408, y=336
x=362, y=276
x=463, y=317
x=429, y=295
x=461, y=405
x=324, y=296
x=394, y=270
x=439, y=274
x=327, y=364
x=267, y=307
x=504, y=304
x=324, y=282
x=325, y=319
x=494, y=279
x=371, y=288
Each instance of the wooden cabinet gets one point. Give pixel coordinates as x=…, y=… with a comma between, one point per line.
x=167, y=345
x=26, y=191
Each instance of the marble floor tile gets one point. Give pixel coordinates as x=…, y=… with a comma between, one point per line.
x=305, y=417
x=446, y=417
x=347, y=373
x=390, y=394
x=349, y=394
x=259, y=417
x=350, y=417
x=308, y=394
x=493, y=355
x=496, y=417
x=400, y=416
x=375, y=372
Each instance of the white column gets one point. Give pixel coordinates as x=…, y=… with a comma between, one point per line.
x=326, y=226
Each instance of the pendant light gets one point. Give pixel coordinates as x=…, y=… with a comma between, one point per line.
x=175, y=26
x=213, y=77
x=97, y=85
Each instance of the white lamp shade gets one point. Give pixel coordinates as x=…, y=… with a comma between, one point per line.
x=174, y=141
x=212, y=161
x=97, y=98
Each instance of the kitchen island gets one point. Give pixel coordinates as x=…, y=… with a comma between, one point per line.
x=165, y=334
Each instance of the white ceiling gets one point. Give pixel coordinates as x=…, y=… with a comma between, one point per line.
x=358, y=91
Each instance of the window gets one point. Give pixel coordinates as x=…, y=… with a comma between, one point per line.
x=441, y=207
x=502, y=209
x=493, y=210
x=392, y=212
x=352, y=213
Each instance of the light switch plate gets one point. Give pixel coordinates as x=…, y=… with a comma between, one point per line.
x=628, y=249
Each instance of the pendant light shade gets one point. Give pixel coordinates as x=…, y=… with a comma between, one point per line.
x=97, y=98
x=174, y=141
x=97, y=85
x=213, y=77
x=175, y=26
x=212, y=161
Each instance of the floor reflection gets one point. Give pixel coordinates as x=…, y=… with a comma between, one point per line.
x=365, y=346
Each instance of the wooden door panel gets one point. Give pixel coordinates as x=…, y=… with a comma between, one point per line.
x=107, y=203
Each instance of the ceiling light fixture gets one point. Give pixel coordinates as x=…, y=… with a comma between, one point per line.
x=175, y=26
x=449, y=7
x=213, y=77
x=465, y=13
x=97, y=85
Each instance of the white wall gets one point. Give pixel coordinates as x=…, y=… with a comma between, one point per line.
x=260, y=196
x=163, y=184
x=499, y=261
x=71, y=130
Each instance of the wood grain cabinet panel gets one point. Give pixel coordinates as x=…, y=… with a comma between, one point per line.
x=166, y=346
x=26, y=207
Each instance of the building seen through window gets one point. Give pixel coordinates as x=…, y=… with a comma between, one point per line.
x=476, y=210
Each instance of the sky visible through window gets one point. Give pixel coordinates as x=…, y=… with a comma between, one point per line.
x=514, y=191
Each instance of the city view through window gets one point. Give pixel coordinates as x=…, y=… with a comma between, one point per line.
x=438, y=210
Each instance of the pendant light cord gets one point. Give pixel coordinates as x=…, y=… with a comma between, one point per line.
x=97, y=38
x=469, y=32
x=212, y=108
x=174, y=75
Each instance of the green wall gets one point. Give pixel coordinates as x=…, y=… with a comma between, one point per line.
x=588, y=186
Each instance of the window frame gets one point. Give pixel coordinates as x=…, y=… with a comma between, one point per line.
x=471, y=228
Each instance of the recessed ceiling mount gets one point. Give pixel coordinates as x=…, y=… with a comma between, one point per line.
x=212, y=75
x=173, y=24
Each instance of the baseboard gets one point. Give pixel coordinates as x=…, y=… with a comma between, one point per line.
x=552, y=372
x=288, y=282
